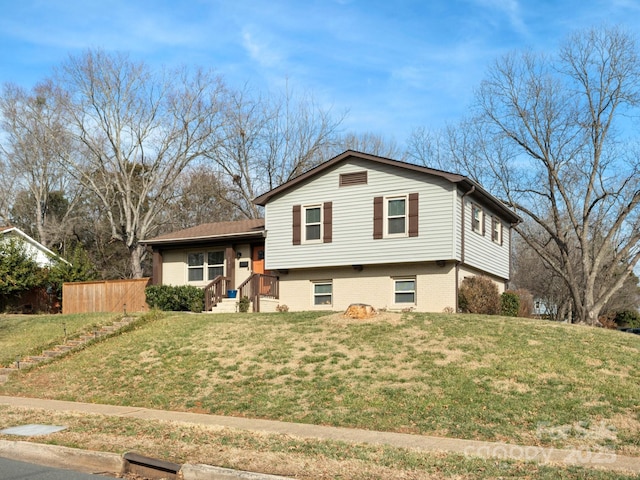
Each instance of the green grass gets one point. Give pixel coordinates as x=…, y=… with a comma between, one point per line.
x=487, y=378
x=22, y=335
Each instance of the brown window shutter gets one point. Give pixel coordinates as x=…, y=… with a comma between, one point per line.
x=377, y=218
x=327, y=222
x=413, y=214
x=296, y=224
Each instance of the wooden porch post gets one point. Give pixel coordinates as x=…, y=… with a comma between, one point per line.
x=157, y=267
x=230, y=259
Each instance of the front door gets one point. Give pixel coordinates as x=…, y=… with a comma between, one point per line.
x=257, y=258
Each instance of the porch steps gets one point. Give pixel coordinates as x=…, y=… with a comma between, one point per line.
x=227, y=305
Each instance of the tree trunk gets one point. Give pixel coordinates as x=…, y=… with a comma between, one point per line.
x=137, y=253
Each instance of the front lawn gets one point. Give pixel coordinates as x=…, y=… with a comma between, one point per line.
x=490, y=378
x=22, y=335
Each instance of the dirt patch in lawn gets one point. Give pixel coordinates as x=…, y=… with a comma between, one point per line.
x=393, y=318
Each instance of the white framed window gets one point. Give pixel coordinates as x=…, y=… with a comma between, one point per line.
x=496, y=230
x=200, y=262
x=195, y=267
x=476, y=218
x=312, y=223
x=323, y=292
x=215, y=264
x=404, y=291
x=396, y=218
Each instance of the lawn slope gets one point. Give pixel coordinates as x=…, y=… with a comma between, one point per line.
x=490, y=378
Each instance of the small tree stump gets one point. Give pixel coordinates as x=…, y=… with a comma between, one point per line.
x=360, y=311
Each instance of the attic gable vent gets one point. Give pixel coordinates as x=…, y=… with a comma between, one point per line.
x=355, y=178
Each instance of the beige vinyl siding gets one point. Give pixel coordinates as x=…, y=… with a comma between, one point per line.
x=242, y=273
x=481, y=251
x=435, y=287
x=174, y=267
x=457, y=222
x=353, y=241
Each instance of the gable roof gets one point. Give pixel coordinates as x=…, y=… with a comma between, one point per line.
x=15, y=231
x=241, y=229
x=465, y=183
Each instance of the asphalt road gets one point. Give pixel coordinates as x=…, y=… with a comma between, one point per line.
x=14, y=470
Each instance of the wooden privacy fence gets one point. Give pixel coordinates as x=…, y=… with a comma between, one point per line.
x=105, y=296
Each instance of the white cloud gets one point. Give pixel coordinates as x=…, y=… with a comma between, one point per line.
x=509, y=8
x=260, y=50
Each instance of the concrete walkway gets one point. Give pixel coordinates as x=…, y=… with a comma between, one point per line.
x=593, y=459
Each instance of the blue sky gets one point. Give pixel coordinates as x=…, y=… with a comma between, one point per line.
x=393, y=65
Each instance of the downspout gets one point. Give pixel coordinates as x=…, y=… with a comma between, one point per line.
x=511, y=226
x=462, y=229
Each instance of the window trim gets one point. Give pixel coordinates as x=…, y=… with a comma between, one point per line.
x=209, y=252
x=298, y=223
x=477, y=228
x=315, y=295
x=195, y=267
x=396, y=280
x=319, y=223
x=386, y=217
x=496, y=235
x=205, y=265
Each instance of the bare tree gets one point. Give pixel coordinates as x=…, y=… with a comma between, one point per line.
x=137, y=131
x=201, y=198
x=269, y=141
x=41, y=195
x=548, y=139
x=530, y=272
x=428, y=147
x=367, y=142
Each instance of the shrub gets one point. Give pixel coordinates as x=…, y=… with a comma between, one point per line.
x=525, y=308
x=479, y=294
x=175, y=298
x=509, y=304
x=243, y=304
x=628, y=318
x=608, y=320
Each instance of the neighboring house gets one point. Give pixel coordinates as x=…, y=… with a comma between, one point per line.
x=358, y=229
x=544, y=308
x=41, y=254
x=38, y=299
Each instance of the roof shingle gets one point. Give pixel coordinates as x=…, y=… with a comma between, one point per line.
x=249, y=227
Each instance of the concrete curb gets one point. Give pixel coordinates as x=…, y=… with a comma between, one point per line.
x=62, y=457
x=207, y=472
x=86, y=461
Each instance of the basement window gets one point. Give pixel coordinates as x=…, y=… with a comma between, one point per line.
x=404, y=291
x=323, y=292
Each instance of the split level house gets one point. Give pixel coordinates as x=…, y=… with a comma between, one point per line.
x=357, y=228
